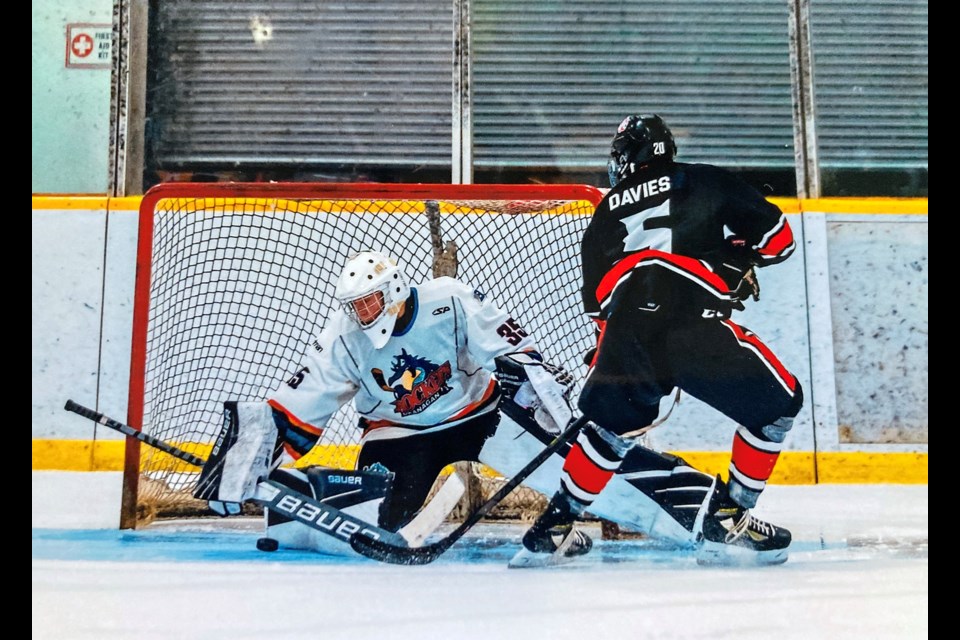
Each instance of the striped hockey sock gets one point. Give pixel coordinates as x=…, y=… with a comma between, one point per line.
x=751, y=462
x=588, y=467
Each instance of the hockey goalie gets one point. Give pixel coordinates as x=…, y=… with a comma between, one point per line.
x=438, y=374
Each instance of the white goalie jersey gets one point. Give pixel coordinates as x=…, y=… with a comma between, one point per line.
x=431, y=374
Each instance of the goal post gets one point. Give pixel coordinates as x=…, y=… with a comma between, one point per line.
x=234, y=280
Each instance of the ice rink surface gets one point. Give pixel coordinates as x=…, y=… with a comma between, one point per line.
x=858, y=568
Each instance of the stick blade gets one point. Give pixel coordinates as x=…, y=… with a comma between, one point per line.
x=392, y=554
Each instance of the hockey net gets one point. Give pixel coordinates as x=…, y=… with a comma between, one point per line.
x=234, y=280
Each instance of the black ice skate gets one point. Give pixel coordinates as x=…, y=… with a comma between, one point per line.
x=552, y=539
x=731, y=535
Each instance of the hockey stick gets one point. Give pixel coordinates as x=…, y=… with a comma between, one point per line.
x=269, y=493
x=402, y=554
x=378, y=377
x=127, y=430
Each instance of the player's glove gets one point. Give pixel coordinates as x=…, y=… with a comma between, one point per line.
x=737, y=268
x=749, y=286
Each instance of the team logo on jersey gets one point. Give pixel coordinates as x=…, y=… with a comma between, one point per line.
x=416, y=382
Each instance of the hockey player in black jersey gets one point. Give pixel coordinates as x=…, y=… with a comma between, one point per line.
x=668, y=256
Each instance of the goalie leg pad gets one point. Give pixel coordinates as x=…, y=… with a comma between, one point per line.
x=657, y=494
x=356, y=493
x=244, y=452
x=340, y=488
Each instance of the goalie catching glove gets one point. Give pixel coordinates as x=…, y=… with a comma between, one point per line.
x=246, y=451
x=537, y=386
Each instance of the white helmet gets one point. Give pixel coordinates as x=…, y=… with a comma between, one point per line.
x=371, y=290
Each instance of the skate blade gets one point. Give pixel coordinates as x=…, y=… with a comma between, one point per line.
x=717, y=554
x=526, y=559
x=530, y=559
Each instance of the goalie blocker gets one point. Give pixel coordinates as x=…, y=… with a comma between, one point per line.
x=537, y=386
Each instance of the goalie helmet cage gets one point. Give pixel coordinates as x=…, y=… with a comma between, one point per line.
x=234, y=280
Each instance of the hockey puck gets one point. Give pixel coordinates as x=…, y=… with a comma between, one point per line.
x=267, y=544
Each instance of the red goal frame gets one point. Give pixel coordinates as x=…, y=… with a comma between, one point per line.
x=279, y=190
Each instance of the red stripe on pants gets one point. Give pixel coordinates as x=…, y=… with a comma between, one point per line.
x=752, y=462
x=587, y=475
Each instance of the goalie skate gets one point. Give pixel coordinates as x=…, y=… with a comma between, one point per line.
x=732, y=536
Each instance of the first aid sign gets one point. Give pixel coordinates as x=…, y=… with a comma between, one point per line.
x=88, y=45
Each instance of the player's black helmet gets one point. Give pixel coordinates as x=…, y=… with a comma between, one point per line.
x=640, y=140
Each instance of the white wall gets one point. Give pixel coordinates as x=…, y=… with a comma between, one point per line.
x=84, y=264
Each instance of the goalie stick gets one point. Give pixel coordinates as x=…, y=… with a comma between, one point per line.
x=269, y=493
x=385, y=551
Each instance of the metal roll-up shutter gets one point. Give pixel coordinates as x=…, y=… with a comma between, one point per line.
x=870, y=82
x=553, y=79
x=300, y=84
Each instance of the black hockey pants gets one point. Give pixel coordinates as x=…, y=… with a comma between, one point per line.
x=642, y=355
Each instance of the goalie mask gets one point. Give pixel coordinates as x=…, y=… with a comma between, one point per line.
x=639, y=140
x=372, y=289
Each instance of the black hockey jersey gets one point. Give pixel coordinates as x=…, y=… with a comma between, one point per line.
x=684, y=233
